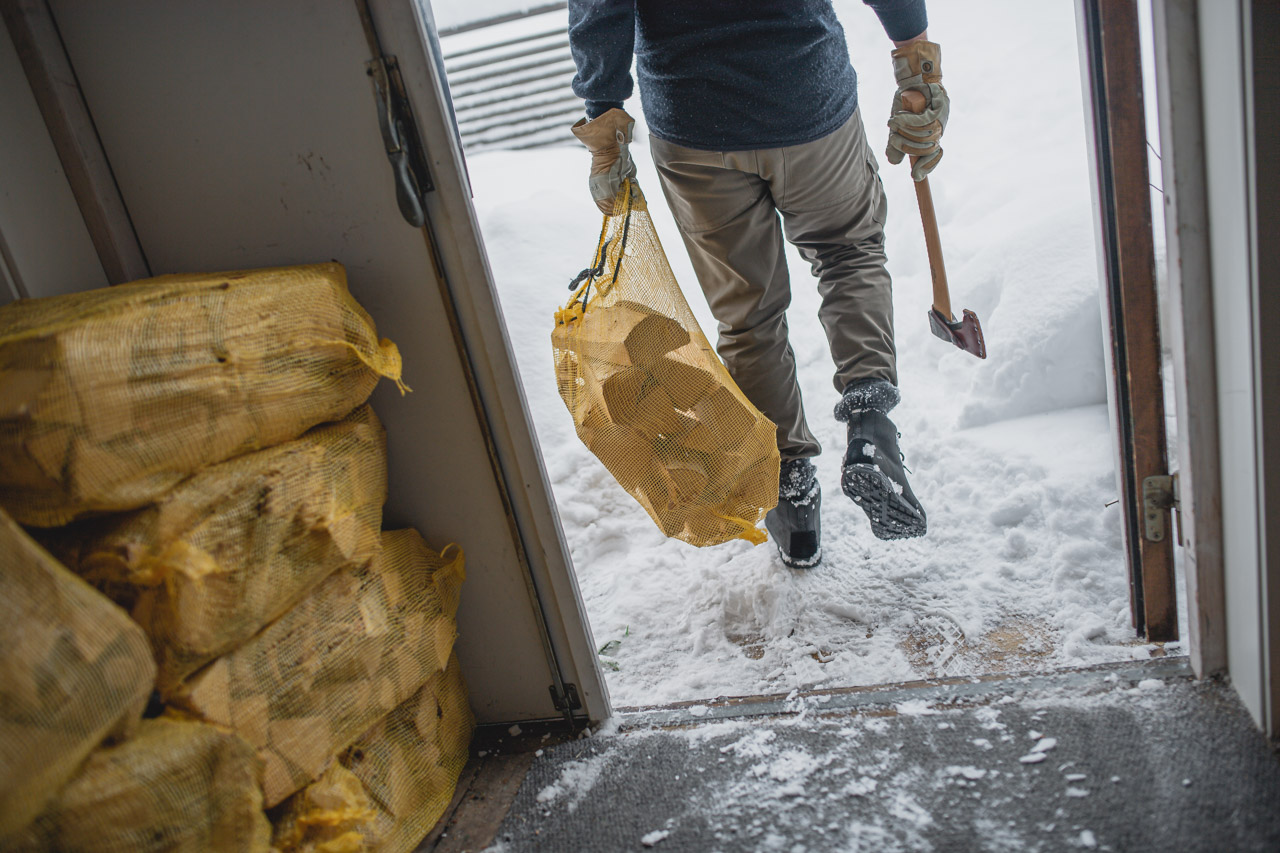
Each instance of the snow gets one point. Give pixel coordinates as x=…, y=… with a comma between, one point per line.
x=1023, y=566
x=1045, y=744
x=754, y=745
x=654, y=837
x=575, y=782
x=969, y=772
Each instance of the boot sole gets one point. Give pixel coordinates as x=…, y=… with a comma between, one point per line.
x=890, y=515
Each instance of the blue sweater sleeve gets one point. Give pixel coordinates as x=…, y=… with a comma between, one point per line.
x=901, y=19
x=602, y=39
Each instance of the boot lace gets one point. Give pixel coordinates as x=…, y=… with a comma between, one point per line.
x=903, y=457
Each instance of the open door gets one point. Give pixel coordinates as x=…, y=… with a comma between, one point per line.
x=1112, y=68
x=328, y=136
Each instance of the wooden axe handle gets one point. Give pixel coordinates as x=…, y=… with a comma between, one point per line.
x=914, y=102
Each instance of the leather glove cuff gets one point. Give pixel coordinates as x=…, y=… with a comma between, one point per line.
x=917, y=63
x=607, y=137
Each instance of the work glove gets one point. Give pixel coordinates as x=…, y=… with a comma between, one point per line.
x=607, y=137
x=918, y=67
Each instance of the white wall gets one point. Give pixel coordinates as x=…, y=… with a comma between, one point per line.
x=45, y=247
x=1228, y=167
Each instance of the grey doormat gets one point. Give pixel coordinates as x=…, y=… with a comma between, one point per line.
x=1112, y=764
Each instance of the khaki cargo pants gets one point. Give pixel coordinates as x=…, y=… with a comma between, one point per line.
x=832, y=206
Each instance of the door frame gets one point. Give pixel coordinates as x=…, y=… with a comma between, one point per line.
x=1219, y=101
x=408, y=30
x=1111, y=69
x=1191, y=323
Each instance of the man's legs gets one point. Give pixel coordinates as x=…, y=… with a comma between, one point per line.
x=833, y=208
x=730, y=227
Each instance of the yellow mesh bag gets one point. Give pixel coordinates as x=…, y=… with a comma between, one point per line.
x=311, y=682
x=650, y=398
x=392, y=785
x=109, y=398
x=331, y=815
x=238, y=544
x=177, y=787
x=73, y=670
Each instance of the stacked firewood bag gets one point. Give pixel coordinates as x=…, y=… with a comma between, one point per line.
x=210, y=643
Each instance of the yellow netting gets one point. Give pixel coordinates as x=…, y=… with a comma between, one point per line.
x=393, y=784
x=650, y=398
x=108, y=398
x=73, y=670
x=177, y=787
x=331, y=815
x=238, y=544
x=311, y=682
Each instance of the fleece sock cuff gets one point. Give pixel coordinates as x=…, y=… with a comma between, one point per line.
x=878, y=395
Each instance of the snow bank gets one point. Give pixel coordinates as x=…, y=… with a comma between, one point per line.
x=1044, y=322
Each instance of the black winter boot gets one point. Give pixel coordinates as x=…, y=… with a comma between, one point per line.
x=873, y=474
x=796, y=522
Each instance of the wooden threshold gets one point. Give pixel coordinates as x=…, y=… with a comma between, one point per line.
x=500, y=758
x=954, y=690
x=484, y=795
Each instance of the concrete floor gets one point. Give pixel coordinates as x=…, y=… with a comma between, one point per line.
x=1125, y=758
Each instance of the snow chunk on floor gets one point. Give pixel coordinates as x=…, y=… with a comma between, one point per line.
x=968, y=772
x=575, y=782
x=754, y=745
x=915, y=708
x=860, y=787
x=654, y=837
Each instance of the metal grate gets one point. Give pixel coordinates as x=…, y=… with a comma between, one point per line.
x=509, y=78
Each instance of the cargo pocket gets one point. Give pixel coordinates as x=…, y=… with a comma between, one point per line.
x=879, y=200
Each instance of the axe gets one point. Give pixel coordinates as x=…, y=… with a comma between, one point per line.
x=966, y=333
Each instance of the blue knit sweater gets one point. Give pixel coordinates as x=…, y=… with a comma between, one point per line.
x=726, y=75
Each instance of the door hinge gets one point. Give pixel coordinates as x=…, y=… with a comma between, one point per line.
x=1159, y=495
x=566, y=701
x=400, y=138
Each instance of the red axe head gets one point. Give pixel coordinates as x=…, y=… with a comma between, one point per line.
x=965, y=333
